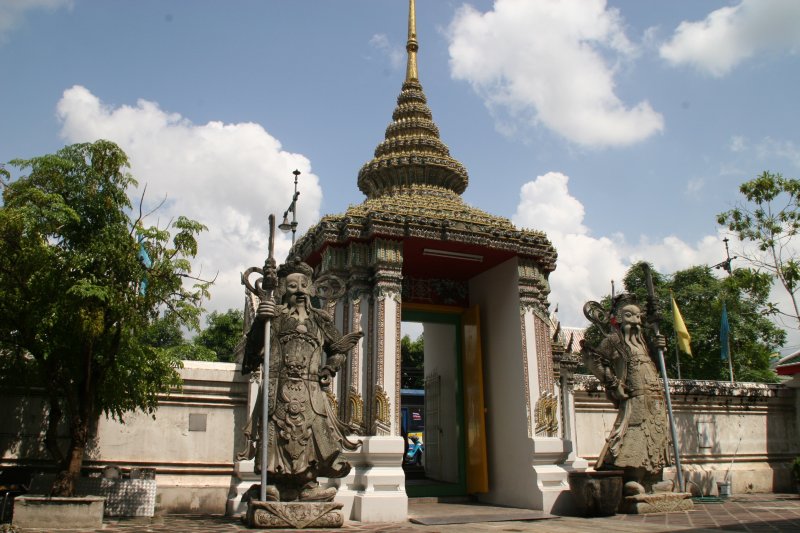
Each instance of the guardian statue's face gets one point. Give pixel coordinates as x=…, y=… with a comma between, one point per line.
x=298, y=289
x=629, y=315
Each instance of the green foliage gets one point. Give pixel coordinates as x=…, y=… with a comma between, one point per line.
x=796, y=469
x=413, y=358
x=223, y=333
x=770, y=219
x=74, y=317
x=189, y=351
x=699, y=294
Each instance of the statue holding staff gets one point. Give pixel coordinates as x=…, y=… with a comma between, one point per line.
x=639, y=441
x=305, y=437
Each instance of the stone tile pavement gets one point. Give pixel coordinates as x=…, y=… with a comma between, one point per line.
x=755, y=513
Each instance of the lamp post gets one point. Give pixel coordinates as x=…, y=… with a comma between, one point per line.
x=286, y=225
x=726, y=264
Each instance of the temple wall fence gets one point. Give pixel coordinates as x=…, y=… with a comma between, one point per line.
x=745, y=431
x=748, y=431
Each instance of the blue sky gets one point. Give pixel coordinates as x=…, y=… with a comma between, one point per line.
x=620, y=128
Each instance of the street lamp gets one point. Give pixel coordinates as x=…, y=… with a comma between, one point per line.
x=726, y=264
x=286, y=225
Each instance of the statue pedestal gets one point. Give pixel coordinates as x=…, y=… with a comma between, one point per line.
x=297, y=515
x=596, y=493
x=657, y=502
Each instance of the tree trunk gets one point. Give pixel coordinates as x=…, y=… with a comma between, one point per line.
x=51, y=435
x=64, y=484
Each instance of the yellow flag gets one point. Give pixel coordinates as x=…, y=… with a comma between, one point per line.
x=680, y=329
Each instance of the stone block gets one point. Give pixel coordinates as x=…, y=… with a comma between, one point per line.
x=298, y=515
x=658, y=502
x=49, y=513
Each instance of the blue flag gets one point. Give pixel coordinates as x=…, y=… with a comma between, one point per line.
x=724, y=333
x=144, y=257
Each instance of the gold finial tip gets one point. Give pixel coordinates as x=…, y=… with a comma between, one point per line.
x=412, y=46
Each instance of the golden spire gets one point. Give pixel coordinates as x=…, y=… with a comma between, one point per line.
x=411, y=155
x=412, y=46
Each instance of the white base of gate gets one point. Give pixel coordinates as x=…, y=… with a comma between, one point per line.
x=374, y=491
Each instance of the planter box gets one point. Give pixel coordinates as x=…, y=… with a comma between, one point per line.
x=81, y=512
x=124, y=497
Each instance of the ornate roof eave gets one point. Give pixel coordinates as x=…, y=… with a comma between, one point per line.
x=341, y=229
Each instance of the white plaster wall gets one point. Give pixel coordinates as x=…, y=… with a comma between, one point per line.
x=193, y=468
x=508, y=446
x=440, y=358
x=750, y=429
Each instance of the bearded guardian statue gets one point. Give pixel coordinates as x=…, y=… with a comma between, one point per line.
x=305, y=437
x=639, y=440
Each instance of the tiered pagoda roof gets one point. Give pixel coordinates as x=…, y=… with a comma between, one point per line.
x=413, y=187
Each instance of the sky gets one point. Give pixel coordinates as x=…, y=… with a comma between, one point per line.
x=620, y=127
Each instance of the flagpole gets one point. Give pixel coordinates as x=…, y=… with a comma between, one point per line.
x=730, y=357
x=651, y=293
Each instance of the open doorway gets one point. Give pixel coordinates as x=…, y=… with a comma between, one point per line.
x=431, y=404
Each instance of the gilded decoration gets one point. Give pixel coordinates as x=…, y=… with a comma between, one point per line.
x=355, y=415
x=547, y=415
x=383, y=421
x=386, y=252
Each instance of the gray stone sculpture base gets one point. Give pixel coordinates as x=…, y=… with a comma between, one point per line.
x=297, y=515
x=658, y=502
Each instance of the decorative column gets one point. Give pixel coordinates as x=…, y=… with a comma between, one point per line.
x=548, y=450
x=386, y=258
x=358, y=296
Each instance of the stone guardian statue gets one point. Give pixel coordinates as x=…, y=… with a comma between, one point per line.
x=305, y=437
x=639, y=442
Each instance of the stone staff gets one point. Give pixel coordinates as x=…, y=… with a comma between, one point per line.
x=268, y=283
x=651, y=303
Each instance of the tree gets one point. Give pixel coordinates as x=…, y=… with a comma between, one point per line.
x=223, y=333
x=770, y=219
x=76, y=299
x=412, y=355
x=699, y=294
x=165, y=333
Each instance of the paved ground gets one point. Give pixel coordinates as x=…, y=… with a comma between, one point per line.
x=757, y=512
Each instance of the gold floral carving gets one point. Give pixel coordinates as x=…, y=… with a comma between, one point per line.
x=547, y=416
x=382, y=423
x=355, y=407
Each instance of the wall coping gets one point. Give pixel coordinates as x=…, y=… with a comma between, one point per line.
x=590, y=384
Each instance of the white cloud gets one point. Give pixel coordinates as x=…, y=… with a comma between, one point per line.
x=738, y=143
x=12, y=12
x=770, y=149
x=227, y=176
x=588, y=264
x=396, y=54
x=732, y=34
x=545, y=62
